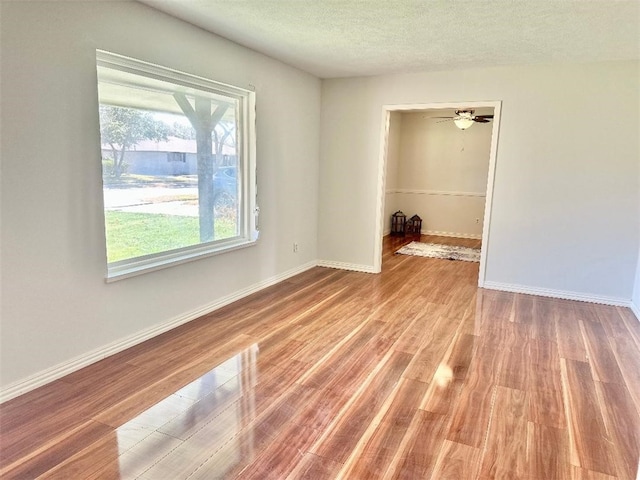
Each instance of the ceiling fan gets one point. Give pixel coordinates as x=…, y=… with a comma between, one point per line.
x=465, y=118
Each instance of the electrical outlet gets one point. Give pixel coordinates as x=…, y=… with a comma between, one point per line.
x=477, y=220
x=295, y=247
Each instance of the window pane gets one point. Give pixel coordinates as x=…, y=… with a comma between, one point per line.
x=171, y=165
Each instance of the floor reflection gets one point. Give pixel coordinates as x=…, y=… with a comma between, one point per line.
x=443, y=375
x=198, y=424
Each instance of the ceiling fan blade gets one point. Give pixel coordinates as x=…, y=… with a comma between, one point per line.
x=480, y=120
x=484, y=116
x=441, y=117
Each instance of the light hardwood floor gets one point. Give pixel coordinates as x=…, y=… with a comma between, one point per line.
x=414, y=373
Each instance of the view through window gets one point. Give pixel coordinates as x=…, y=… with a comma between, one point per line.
x=177, y=164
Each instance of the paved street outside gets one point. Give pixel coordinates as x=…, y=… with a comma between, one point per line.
x=153, y=199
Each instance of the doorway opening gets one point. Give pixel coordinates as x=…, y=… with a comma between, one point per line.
x=447, y=174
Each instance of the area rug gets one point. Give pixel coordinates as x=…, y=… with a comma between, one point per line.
x=448, y=252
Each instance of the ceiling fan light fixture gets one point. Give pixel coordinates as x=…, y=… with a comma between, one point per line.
x=463, y=122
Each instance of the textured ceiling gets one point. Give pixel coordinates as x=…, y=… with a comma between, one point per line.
x=342, y=38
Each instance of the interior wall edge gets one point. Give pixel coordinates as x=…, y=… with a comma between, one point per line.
x=58, y=371
x=635, y=296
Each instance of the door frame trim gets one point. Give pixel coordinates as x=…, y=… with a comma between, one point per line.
x=382, y=172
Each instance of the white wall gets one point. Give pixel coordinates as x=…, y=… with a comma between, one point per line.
x=636, y=290
x=443, y=173
x=635, y=299
x=393, y=161
x=566, y=193
x=55, y=303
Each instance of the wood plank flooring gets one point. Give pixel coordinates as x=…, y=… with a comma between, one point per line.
x=411, y=374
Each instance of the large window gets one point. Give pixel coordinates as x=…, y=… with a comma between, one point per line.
x=178, y=165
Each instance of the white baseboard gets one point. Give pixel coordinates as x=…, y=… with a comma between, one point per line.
x=347, y=266
x=46, y=376
x=451, y=234
x=564, y=295
x=442, y=234
x=636, y=311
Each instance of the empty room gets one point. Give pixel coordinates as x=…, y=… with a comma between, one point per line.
x=320, y=240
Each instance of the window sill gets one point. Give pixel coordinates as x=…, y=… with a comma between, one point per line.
x=126, y=269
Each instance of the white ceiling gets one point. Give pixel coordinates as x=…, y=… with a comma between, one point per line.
x=344, y=38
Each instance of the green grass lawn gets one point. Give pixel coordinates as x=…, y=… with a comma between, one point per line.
x=131, y=235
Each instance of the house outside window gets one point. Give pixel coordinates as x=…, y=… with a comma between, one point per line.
x=178, y=165
x=177, y=157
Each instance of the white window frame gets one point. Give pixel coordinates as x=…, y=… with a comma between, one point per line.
x=248, y=210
